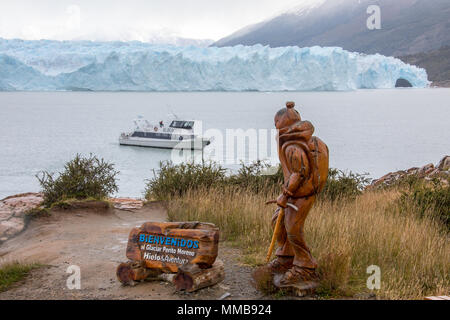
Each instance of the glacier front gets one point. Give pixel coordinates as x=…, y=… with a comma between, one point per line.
x=135, y=66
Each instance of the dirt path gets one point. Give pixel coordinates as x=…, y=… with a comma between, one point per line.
x=96, y=242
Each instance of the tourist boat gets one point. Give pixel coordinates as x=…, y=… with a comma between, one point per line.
x=180, y=134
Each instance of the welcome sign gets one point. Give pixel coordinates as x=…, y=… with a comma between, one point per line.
x=170, y=245
x=168, y=249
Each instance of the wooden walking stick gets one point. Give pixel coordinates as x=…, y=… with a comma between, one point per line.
x=277, y=229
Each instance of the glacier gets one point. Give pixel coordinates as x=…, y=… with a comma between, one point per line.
x=48, y=65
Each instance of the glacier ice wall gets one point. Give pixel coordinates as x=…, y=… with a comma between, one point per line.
x=136, y=66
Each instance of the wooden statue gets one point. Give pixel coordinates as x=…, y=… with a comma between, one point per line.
x=304, y=161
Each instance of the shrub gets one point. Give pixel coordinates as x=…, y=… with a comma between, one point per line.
x=174, y=180
x=427, y=200
x=343, y=185
x=82, y=178
x=408, y=181
x=257, y=177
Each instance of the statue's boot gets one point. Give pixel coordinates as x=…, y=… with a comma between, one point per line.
x=280, y=265
x=263, y=276
x=300, y=280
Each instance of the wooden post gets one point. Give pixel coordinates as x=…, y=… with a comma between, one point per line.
x=130, y=272
x=191, y=277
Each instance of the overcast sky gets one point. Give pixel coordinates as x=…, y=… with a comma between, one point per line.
x=131, y=19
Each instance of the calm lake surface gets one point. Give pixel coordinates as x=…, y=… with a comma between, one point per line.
x=374, y=131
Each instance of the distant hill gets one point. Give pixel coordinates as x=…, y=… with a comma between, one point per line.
x=407, y=27
x=436, y=62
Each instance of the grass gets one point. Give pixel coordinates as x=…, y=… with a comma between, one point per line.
x=345, y=236
x=399, y=228
x=88, y=202
x=37, y=212
x=13, y=272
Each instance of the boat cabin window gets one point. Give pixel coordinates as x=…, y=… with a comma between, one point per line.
x=154, y=135
x=182, y=124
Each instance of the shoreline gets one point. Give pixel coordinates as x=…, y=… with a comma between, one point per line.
x=433, y=85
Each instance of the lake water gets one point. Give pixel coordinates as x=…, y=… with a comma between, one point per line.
x=374, y=131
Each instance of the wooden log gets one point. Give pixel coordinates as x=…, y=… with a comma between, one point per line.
x=158, y=244
x=130, y=272
x=191, y=277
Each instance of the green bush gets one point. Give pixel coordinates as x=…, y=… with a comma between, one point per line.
x=257, y=177
x=339, y=183
x=174, y=180
x=82, y=178
x=426, y=199
x=343, y=185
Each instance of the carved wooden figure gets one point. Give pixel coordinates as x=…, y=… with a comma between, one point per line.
x=304, y=161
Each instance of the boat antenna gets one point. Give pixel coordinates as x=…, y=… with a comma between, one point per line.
x=171, y=113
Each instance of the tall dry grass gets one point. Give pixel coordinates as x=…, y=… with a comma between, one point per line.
x=345, y=236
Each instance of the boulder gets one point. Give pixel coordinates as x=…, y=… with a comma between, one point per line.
x=127, y=203
x=426, y=169
x=444, y=164
x=427, y=172
x=12, y=213
x=12, y=226
x=4, y=214
x=23, y=201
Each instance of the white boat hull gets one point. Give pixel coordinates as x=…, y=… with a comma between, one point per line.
x=196, y=144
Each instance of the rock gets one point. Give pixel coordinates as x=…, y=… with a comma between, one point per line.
x=365, y=295
x=426, y=169
x=4, y=215
x=434, y=172
x=126, y=203
x=412, y=170
x=12, y=226
x=23, y=201
x=427, y=172
x=12, y=212
x=444, y=164
x=14, y=208
x=225, y=295
x=3, y=229
x=388, y=179
x=19, y=213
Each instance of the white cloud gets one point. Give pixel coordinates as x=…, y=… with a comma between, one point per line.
x=131, y=19
x=74, y=19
